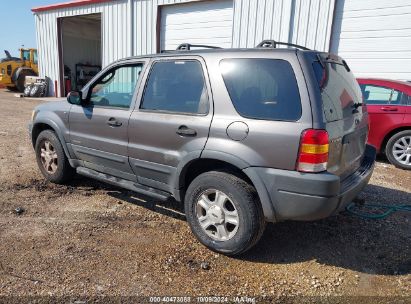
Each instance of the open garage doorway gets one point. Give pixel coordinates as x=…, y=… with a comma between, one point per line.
x=79, y=51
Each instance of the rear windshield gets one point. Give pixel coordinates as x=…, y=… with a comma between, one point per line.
x=262, y=88
x=339, y=89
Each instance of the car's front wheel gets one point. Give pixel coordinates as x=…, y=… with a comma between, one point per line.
x=51, y=158
x=398, y=149
x=224, y=212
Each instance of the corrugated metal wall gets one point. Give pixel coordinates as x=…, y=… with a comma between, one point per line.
x=304, y=22
x=129, y=26
x=374, y=36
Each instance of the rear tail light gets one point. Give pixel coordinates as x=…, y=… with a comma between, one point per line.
x=313, y=153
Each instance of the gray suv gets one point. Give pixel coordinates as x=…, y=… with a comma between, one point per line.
x=240, y=136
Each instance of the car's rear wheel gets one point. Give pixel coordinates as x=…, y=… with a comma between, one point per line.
x=224, y=212
x=51, y=158
x=398, y=149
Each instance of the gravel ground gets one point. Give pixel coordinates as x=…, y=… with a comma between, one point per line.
x=88, y=239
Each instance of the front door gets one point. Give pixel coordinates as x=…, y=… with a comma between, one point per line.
x=171, y=124
x=99, y=128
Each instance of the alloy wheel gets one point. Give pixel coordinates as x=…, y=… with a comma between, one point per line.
x=217, y=215
x=401, y=150
x=48, y=156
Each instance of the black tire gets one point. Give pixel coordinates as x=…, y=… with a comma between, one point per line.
x=22, y=78
x=42, y=91
x=390, y=147
x=243, y=196
x=64, y=171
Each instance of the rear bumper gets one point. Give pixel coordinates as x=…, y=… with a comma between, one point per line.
x=307, y=196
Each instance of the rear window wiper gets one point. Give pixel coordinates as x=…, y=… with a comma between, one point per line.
x=335, y=60
x=357, y=105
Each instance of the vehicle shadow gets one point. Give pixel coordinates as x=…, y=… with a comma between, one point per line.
x=347, y=241
x=169, y=208
x=382, y=159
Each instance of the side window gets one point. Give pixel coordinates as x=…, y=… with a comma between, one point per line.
x=262, y=88
x=176, y=86
x=35, y=58
x=116, y=87
x=380, y=95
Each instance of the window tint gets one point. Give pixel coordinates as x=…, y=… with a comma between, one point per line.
x=380, y=95
x=176, y=86
x=320, y=73
x=339, y=92
x=262, y=88
x=116, y=88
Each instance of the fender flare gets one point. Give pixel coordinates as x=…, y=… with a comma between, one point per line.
x=266, y=204
x=55, y=127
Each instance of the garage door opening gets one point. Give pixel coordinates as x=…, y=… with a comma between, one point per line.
x=80, y=51
x=205, y=22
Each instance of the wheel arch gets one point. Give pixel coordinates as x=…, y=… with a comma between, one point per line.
x=42, y=125
x=228, y=163
x=18, y=71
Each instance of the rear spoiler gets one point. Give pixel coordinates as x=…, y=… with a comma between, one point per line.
x=332, y=58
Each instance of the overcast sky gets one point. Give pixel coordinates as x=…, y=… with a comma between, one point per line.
x=17, y=24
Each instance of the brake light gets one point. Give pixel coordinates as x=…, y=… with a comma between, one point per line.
x=313, y=153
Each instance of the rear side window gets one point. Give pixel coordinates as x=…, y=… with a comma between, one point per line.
x=262, y=88
x=379, y=95
x=176, y=86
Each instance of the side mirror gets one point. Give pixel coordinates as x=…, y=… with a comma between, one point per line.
x=366, y=95
x=74, y=97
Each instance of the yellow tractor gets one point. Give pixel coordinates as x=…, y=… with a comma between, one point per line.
x=13, y=70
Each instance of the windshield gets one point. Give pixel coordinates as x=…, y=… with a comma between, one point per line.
x=25, y=55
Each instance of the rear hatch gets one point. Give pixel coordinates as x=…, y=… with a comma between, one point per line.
x=344, y=113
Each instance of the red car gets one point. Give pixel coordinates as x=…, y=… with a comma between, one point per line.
x=389, y=107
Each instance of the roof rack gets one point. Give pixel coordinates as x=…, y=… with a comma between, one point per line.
x=273, y=44
x=188, y=46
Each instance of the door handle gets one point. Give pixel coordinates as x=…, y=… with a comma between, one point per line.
x=114, y=122
x=389, y=109
x=185, y=131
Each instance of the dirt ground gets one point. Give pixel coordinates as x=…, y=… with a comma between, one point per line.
x=88, y=239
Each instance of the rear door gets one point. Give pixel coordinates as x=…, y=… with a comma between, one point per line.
x=346, y=117
x=170, y=126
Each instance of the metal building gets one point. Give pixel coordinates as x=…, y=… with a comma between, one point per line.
x=77, y=38
x=374, y=36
